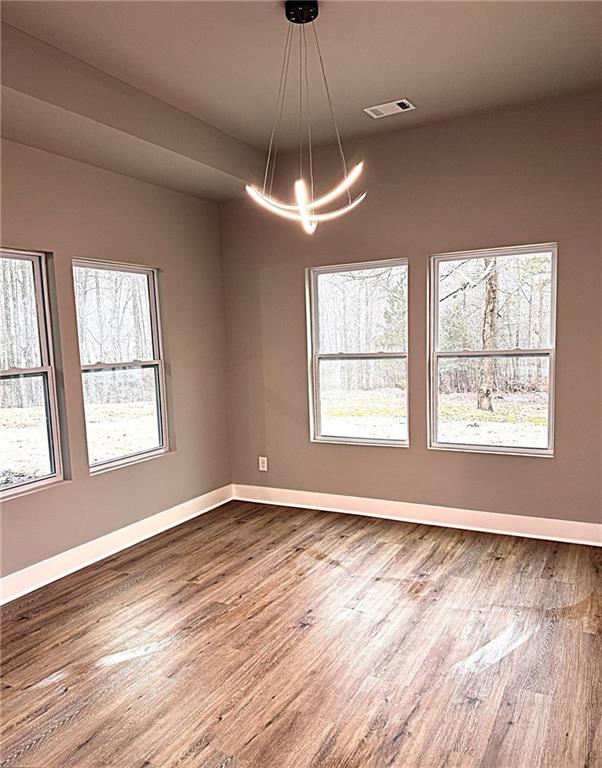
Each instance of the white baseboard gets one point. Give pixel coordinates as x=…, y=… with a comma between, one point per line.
x=409, y=512
x=39, y=574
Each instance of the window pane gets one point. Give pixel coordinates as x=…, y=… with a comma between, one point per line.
x=363, y=310
x=19, y=332
x=122, y=412
x=113, y=315
x=25, y=444
x=363, y=399
x=502, y=302
x=497, y=401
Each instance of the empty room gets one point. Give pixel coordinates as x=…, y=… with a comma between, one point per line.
x=301, y=384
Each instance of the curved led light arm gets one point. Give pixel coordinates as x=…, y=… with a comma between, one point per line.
x=295, y=214
x=342, y=187
x=340, y=211
x=325, y=199
x=268, y=205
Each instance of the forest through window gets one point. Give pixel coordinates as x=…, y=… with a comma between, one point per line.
x=492, y=357
x=29, y=446
x=360, y=352
x=117, y=323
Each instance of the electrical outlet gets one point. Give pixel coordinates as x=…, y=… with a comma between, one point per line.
x=263, y=463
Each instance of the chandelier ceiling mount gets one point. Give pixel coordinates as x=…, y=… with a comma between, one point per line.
x=301, y=11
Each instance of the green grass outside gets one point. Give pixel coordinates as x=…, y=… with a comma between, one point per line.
x=389, y=403
x=392, y=404
x=357, y=404
x=508, y=414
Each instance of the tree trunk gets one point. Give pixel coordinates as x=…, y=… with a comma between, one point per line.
x=487, y=382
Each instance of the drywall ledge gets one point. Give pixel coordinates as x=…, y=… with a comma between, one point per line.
x=33, y=577
x=58, y=103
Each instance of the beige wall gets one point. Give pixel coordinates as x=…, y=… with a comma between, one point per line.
x=75, y=210
x=524, y=175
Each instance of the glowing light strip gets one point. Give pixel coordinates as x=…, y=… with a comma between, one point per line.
x=340, y=211
x=266, y=203
x=332, y=195
x=309, y=225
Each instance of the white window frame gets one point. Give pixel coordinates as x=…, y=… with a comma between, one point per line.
x=434, y=355
x=314, y=357
x=38, y=261
x=157, y=363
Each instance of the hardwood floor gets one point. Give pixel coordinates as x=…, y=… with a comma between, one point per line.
x=263, y=637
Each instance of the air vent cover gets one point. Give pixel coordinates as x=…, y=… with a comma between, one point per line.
x=390, y=108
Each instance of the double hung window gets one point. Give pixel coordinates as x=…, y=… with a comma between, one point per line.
x=492, y=337
x=30, y=451
x=121, y=362
x=358, y=371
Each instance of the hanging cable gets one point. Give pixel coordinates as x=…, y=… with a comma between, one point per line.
x=307, y=112
x=278, y=107
x=330, y=107
x=278, y=119
x=300, y=101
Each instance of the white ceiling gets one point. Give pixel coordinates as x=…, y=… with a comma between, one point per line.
x=220, y=61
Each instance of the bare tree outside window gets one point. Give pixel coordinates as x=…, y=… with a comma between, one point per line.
x=122, y=366
x=492, y=349
x=358, y=322
x=29, y=431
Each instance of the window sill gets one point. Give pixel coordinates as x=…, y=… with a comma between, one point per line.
x=24, y=490
x=101, y=469
x=361, y=441
x=491, y=450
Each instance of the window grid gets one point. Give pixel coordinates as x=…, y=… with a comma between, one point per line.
x=156, y=363
x=435, y=355
x=46, y=369
x=314, y=356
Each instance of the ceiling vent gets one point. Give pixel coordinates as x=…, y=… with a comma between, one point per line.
x=390, y=108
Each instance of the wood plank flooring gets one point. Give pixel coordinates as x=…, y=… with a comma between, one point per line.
x=262, y=637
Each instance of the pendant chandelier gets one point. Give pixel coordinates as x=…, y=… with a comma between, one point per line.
x=306, y=209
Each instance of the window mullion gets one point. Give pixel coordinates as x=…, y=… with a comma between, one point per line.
x=361, y=355
x=539, y=352
x=13, y=372
x=112, y=366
